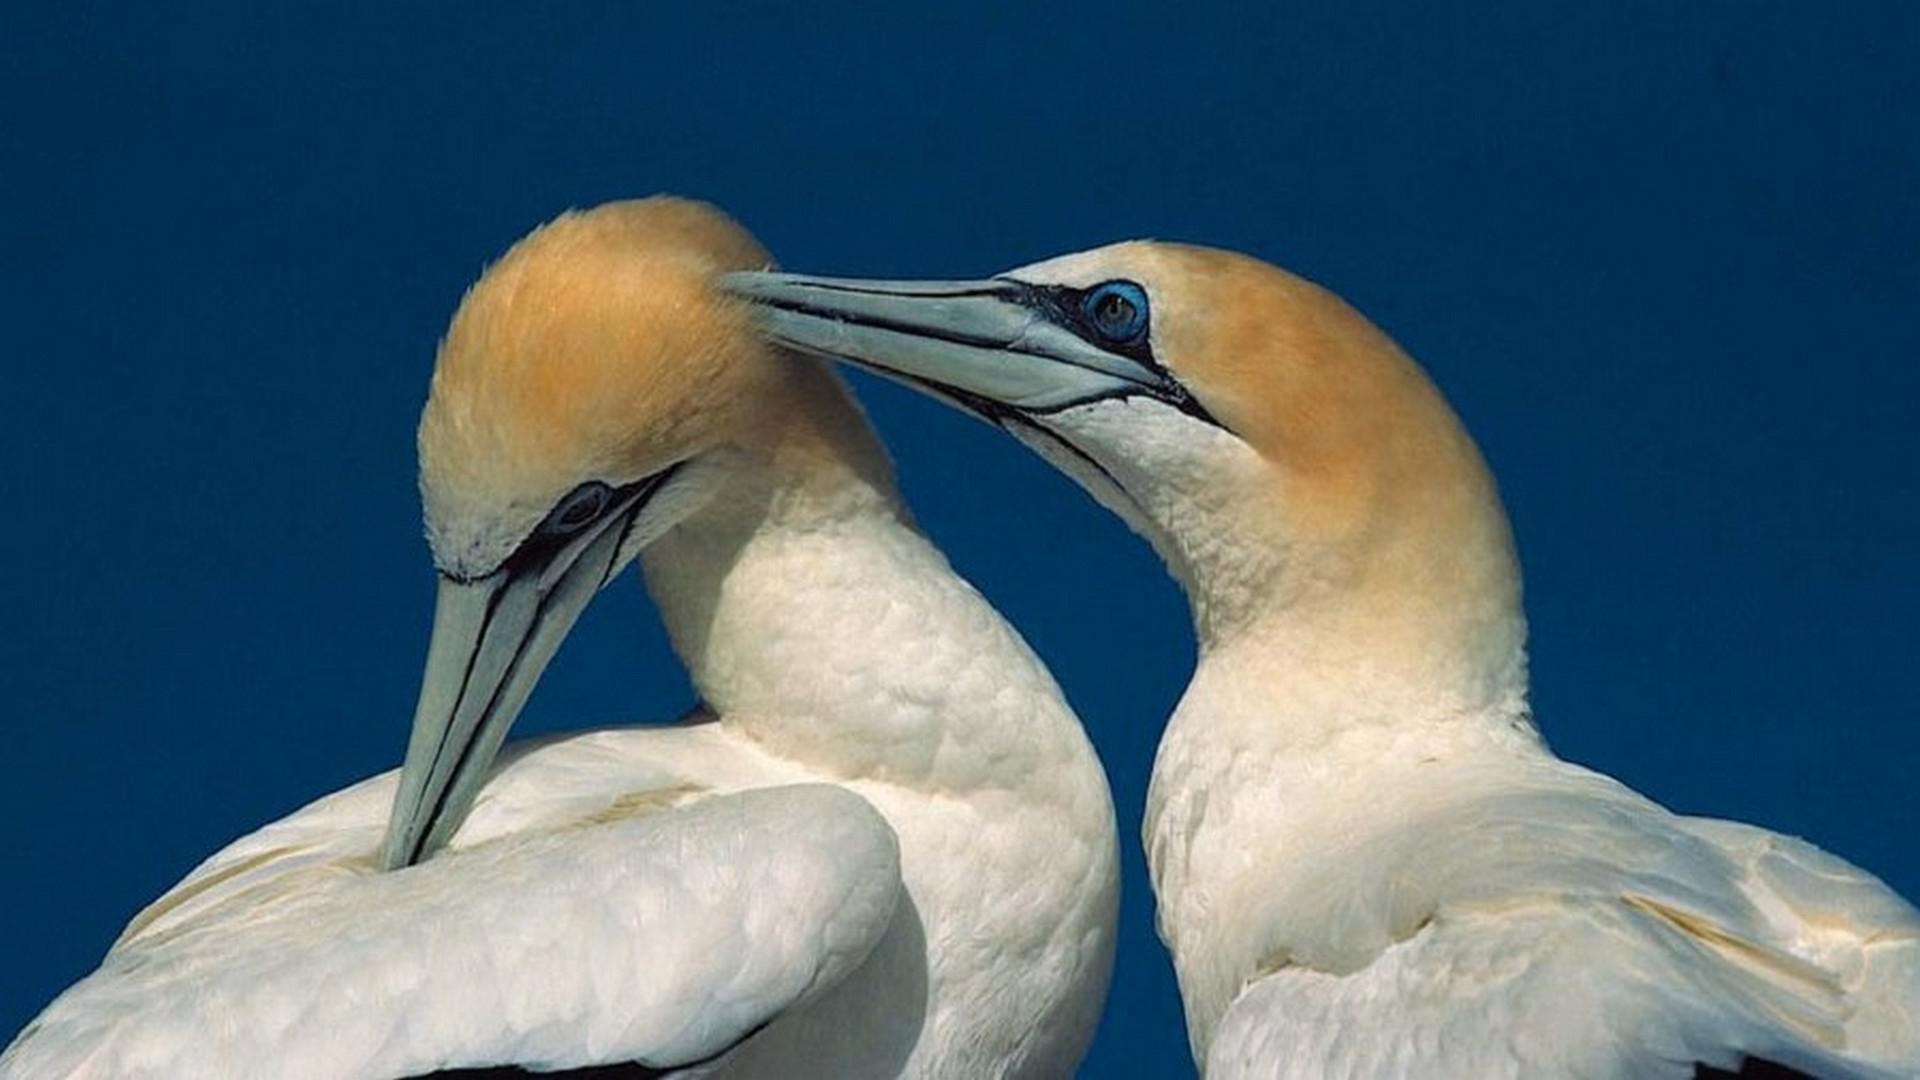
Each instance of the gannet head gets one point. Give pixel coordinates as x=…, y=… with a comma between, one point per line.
x=1282, y=452
x=586, y=398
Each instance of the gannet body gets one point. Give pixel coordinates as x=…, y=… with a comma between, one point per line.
x=1367, y=861
x=882, y=847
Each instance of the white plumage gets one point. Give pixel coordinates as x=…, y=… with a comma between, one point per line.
x=1367, y=861
x=650, y=932
x=882, y=847
x=1524, y=917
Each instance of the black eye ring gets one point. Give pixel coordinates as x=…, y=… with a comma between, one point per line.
x=1117, y=311
x=580, y=508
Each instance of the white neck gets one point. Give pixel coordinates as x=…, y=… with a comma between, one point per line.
x=1340, y=640
x=813, y=617
x=1325, y=655
x=1404, y=613
x=817, y=622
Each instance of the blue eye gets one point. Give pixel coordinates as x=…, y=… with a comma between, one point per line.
x=1117, y=311
x=582, y=506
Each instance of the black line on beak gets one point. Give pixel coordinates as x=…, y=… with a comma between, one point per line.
x=645, y=490
x=1000, y=287
x=1056, y=305
x=1011, y=294
x=432, y=819
x=1005, y=417
x=414, y=850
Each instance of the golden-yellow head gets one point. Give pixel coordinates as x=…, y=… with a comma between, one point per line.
x=1348, y=423
x=1276, y=446
x=594, y=390
x=596, y=351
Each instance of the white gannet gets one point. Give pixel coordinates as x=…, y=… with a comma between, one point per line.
x=883, y=847
x=1367, y=862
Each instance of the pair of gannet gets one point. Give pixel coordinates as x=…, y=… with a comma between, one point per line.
x=1367, y=862
x=882, y=847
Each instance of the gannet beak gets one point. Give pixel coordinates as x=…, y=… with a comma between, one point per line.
x=492, y=637
x=992, y=346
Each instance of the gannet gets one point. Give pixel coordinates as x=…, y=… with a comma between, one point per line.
x=1366, y=860
x=883, y=846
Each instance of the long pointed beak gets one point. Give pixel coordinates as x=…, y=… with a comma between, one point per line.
x=993, y=345
x=492, y=638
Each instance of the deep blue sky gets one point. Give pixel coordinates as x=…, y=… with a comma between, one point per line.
x=1664, y=258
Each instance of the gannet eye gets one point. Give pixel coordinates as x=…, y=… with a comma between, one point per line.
x=1117, y=310
x=581, y=508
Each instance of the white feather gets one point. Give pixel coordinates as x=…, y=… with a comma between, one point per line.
x=889, y=842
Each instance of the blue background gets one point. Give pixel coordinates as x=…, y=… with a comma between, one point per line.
x=1664, y=258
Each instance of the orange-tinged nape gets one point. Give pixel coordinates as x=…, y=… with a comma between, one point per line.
x=1386, y=507
x=597, y=348
x=1313, y=386
x=560, y=357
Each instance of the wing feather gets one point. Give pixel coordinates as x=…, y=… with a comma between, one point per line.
x=661, y=938
x=1560, y=924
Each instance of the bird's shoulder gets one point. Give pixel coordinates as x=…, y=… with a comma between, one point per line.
x=1551, y=920
x=663, y=921
x=1550, y=987
x=544, y=783
x=663, y=937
